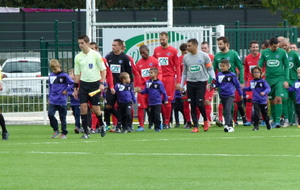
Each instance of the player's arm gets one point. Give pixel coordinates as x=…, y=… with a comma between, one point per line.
x=240, y=66
x=286, y=67
x=268, y=88
x=184, y=74
x=210, y=68
x=246, y=73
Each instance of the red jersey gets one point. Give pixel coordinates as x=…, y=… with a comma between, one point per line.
x=109, y=77
x=143, y=67
x=135, y=72
x=168, y=60
x=211, y=57
x=249, y=63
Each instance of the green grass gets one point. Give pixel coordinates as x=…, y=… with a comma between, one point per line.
x=171, y=159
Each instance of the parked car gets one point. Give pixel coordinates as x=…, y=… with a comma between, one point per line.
x=22, y=67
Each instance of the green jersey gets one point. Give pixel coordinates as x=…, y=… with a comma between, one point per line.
x=294, y=64
x=276, y=63
x=234, y=63
x=89, y=66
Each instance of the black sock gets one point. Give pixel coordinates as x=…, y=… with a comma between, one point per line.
x=100, y=120
x=2, y=123
x=84, y=121
x=107, y=116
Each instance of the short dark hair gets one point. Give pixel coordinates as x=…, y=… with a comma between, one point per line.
x=273, y=40
x=144, y=47
x=266, y=43
x=120, y=42
x=225, y=61
x=194, y=41
x=183, y=47
x=224, y=39
x=95, y=44
x=84, y=37
x=204, y=42
x=154, y=69
x=164, y=34
x=253, y=42
x=257, y=68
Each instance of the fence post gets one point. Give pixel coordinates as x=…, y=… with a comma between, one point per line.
x=44, y=56
x=237, y=36
x=56, y=38
x=285, y=25
x=294, y=35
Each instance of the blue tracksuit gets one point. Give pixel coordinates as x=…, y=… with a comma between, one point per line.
x=257, y=86
x=154, y=89
x=125, y=93
x=228, y=82
x=57, y=84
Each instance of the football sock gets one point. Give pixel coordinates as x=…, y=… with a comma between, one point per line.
x=2, y=123
x=278, y=112
x=84, y=121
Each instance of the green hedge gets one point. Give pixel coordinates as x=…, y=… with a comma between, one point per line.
x=21, y=103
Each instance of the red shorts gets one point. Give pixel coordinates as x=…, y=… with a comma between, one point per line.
x=169, y=83
x=142, y=100
x=209, y=94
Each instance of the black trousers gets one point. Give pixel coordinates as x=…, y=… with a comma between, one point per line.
x=125, y=114
x=196, y=92
x=260, y=108
x=155, y=115
x=178, y=107
x=298, y=112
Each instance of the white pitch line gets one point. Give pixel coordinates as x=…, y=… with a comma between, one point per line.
x=184, y=154
x=37, y=152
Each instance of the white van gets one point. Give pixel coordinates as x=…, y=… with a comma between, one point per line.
x=22, y=67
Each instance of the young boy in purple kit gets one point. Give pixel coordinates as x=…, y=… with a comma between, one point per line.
x=155, y=88
x=228, y=82
x=125, y=98
x=260, y=89
x=59, y=85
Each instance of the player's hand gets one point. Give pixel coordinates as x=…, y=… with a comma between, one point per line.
x=101, y=87
x=286, y=85
x=64, y=92
x=242, y=85
x=177, y=86
x=262, y=93
x=112, y=90
x=75, y=93
x=166, y=102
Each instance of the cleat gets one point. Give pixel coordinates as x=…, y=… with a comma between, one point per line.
x=85, y=136
x=76, y=130
x=150, y=126
x=248, y=123
x=5, y=136
x=219, y=123
x=230, y=129
x=206, y=125
x=277, y=125
x=263, y=123
x=157, y=130
x=187, y=126
x=124, y=131
x=102, y=131
x=92, y=131
x=255, y=129
x=177, y=125
x=140, y=129
x=286, y=123
x=165, y=126
x=63, y=136
x=55, y=134
x=225, y=128
x=117, y=130
x=195, y=130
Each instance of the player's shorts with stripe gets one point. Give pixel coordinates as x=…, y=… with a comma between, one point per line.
x=276, y=85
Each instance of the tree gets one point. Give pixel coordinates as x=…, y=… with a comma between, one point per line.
x=289, y=9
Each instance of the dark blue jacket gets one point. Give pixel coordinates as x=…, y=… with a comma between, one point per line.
x=125, y=93
x=154, y=89
x=257, y=86
x=228, y=82
x=296, y=87
x=57, y=84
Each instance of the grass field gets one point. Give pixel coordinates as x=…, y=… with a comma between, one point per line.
x=171, y=159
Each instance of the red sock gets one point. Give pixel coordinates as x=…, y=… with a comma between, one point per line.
x=208, y=112
x=186, y=111
x=220, y=112
x=168, y=111
x=141, y=114
x=249, y=110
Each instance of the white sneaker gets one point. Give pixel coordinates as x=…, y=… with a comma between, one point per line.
x=286, y=123
x=225, y=128
x=230, y=129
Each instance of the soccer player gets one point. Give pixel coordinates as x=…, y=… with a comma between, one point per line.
x=170, y=66
x=277, y=73
x=234, y=64
x=250, y=62
x=143, y=67
x=265, y=44
x=90, y=77
x=197, y=68
x=5, y=133
x=288, y=105
x=209, y=93
x=294, y=47
x=118, y=62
